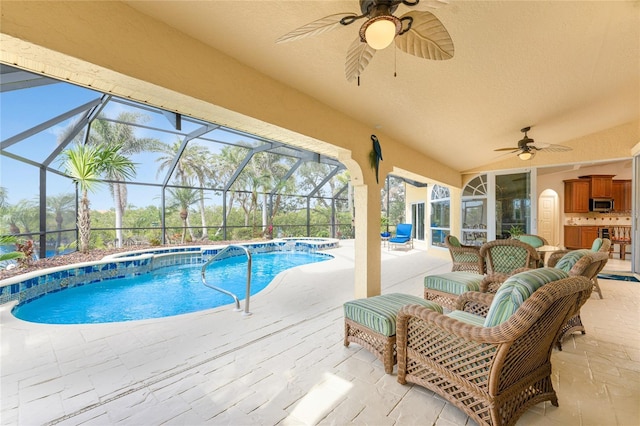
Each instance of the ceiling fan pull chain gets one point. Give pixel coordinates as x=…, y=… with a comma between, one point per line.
x=395, y=62
x=358, y=81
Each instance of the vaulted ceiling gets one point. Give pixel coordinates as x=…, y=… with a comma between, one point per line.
x=568, y=69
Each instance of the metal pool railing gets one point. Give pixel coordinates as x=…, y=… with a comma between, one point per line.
x=228, y=293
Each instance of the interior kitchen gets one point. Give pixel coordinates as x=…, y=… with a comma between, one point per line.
x=594, y=201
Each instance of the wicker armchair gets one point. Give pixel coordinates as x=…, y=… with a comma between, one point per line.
x=492, y=373
x=464, y=258
x=600, y=245
x=504, y=258
x=587, y=264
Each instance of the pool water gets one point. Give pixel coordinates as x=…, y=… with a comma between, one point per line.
x=167, y=291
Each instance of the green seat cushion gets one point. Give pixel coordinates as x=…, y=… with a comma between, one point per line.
x=532, y=240
x=456, y=282
x=516, y=290
x=567, y=261
x=379, y=312
x=467, y=317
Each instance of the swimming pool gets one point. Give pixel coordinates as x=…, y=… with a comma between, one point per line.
x=128, y=274
x=166, y=291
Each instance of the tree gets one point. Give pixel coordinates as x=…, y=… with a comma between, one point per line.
x=58, y=205
x=195, y=162
x=85, y=164
x=184, y=198
x=121, y=134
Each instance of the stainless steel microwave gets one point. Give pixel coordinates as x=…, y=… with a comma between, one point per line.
x=600, y=204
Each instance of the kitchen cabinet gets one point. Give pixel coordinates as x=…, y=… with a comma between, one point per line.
x=572, y=237
x=576, y=196
x=587, y=235
x=600, y=186
x=580, y=237
x=621, y=193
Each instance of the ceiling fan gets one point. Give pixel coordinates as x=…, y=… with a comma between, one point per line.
x=528, y=149
x=417, y=32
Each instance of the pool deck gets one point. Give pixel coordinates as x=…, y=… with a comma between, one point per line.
x=286, y=363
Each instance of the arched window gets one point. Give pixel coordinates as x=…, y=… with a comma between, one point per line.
x=474, y=211
x=440, y=214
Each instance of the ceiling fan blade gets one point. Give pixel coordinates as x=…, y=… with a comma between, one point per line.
x=554, y=148
x=427, y=38
x=429, y=4
x=320, y=26
x=507, y=149
x=358, y=57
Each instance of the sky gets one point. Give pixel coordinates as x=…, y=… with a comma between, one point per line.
x=21, y=110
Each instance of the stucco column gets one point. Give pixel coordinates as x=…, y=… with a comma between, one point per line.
x=367, y=241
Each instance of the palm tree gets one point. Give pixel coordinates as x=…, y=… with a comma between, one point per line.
x=121, y=134
x=58, y=205
x=85, y=164
x=195, y=162
x=184, y=198
x=225, y=165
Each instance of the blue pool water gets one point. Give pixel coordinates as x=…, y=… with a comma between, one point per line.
x=167, y=291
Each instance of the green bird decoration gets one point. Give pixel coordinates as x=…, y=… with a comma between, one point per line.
x=376, y=155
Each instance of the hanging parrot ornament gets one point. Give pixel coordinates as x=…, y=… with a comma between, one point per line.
x=376, y=155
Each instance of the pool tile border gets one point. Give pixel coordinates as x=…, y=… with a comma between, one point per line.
x=27, y=287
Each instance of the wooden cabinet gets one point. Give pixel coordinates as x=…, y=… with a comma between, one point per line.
x=621, y=193
x=587, y=235
x=576, y=196
x=580, y=237
x=600, y=186
x=572, y=237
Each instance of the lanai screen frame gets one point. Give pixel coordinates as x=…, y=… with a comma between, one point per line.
x=87, y=113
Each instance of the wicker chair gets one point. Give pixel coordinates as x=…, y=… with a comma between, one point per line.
x=464, y=258
x=587, y=264
x=600, y=245
x=492, y=373
x=502, y=258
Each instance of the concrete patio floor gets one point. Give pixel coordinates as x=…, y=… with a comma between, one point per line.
x=286, y=363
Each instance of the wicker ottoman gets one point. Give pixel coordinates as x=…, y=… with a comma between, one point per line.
x=371, y=323
x=444, y=289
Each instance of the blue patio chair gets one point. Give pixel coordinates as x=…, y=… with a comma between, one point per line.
x=403, y=236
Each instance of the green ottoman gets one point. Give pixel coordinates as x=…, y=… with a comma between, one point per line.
x=444, y=289
x=371, y=323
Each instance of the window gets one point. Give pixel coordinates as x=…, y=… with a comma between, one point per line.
x=474, y=211
x=440, y=215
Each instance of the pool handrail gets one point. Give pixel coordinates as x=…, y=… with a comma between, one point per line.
x=228, y=293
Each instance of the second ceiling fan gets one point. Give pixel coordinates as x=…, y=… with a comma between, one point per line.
x=526, y=148
x=417, y=32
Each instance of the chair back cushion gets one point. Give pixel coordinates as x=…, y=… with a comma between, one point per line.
x=597, y=243
x=516, y=290
x=567, y=261
x=403, y=230
x=453, y=241
x=532, y=240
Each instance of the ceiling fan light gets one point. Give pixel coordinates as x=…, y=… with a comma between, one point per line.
x=380, y=31
x=526, y=155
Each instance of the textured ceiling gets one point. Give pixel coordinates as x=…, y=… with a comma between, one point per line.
x=567, y=69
